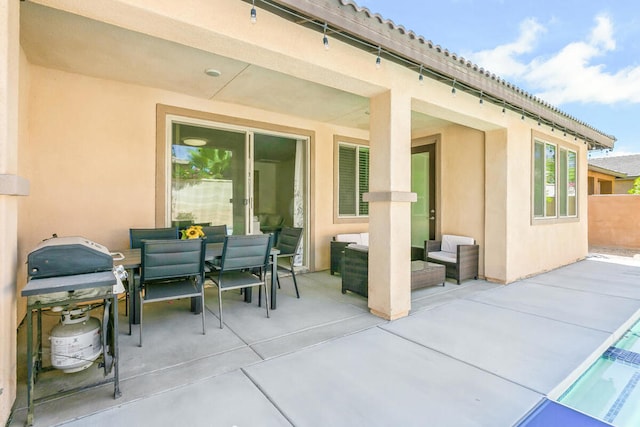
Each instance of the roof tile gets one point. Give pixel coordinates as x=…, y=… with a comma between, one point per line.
x=625, y=164
x=455, y=57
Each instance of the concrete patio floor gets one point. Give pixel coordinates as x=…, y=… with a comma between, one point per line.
x=476, y=354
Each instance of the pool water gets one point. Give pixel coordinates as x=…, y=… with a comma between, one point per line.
x=610, y=389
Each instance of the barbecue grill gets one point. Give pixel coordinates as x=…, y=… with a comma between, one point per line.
x=66, y=273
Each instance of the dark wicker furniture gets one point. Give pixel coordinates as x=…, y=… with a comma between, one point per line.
x=355, y=272
x=337, y=249
x=425, y=274
x=465, y=264
x=341, y=241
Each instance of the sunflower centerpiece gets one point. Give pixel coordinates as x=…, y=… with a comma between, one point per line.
x=193, y=232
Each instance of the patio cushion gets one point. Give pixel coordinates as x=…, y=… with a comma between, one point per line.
x=450, y=243
x=274, y=220
x=364, y=239
x=354, y=237
x=338, y=244
x=356, y=246
x=443, y=256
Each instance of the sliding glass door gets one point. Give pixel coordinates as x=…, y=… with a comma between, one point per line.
x=279, y=184
x=251, y=180
x=209, y=178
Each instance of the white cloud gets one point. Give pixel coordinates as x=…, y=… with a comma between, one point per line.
x=616, y=152
x=572, y=74
x=603, y=33
x=503, y=59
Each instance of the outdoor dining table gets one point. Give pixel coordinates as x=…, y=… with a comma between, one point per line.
x=130, y=259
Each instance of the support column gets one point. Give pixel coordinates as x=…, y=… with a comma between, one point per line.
x=390, y=200
x=10, y=185
x=496, y=196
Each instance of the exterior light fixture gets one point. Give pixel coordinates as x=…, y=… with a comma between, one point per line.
x=212, y=72
x=481, y=102
x=453, y=88
x=325, y=39
x=194, y=142
x=421, y=77
x=378, y=59
x=504, y=107
x=522, y=117
x=254, y=14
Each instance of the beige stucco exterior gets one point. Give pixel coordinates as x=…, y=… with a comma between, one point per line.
x=613, y=220
x=10, y=132
x=87, y=143
x=622, y=186
x=601, y=183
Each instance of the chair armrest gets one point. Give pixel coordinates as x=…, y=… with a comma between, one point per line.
x=467, y=252
x=431, y=246
x=339, y=245
x=355, y=278
x=337, y=249
x=467, y=260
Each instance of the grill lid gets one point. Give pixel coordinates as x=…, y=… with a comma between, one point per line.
x=65, y=256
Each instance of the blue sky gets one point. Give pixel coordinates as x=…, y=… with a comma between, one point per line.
x=582, y=56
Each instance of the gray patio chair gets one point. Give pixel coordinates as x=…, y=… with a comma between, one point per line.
x=459, y=254
x=288, y=242
x=136, y=235
x=215, y=233
x=243, y=265
x=172, y=269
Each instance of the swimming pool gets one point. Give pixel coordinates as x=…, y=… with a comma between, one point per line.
x=610, y=389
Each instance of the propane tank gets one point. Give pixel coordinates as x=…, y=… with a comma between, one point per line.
x=75, y=341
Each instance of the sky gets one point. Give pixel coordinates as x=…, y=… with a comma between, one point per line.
x=582, y=56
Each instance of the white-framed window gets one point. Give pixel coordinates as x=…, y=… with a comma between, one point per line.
x=352, y=176
x=555, y=181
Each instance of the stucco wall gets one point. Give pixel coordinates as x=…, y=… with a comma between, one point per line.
x=623, y=186
x=539, y=245
x=601, y=183
x=461, y=177
x=89, y=150
x=91, y=160
x=516, y=246
x=10, y=127
x=614, y=220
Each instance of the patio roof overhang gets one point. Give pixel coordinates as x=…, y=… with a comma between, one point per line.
x=345, y=20
x=121, y=46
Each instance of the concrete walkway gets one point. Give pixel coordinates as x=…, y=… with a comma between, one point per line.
x=478, y=354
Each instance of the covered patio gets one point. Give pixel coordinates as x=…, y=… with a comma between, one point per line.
x=100, y=96
x=474, y=354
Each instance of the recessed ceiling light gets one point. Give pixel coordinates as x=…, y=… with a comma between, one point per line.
x=194, y=142
x=212, y=72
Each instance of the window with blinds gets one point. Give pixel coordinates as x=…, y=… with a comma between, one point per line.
x=353, y=180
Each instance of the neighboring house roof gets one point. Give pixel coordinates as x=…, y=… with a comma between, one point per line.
x=606, y=171
x=629, y=165
x=361, y=27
